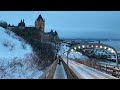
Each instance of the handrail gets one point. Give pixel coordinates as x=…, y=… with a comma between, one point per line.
x=48, y=74
x=69, y=72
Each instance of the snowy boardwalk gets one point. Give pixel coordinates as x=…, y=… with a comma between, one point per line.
x=60, y=72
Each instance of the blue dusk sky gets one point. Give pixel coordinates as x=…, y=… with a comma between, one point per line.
x=71, y=24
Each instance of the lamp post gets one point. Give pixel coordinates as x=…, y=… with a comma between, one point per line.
x=67, y=58
x=116, y=59
x=116, y=55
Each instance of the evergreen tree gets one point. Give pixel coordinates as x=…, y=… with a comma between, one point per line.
x=3, y=24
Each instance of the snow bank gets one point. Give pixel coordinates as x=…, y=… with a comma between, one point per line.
x=16, y=57
x=63, y=48
x=74, y=54
x=19, y=69
x=77, y=55
x=12, y=46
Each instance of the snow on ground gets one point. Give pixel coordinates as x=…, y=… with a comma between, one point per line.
x=85, y=72
x=79, y=55
x=63, y=48
x=11, y=46
x=19, y=69
x=106, y=62
x=74, y=54
x=15, y=57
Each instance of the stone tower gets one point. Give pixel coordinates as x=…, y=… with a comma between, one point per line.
x=21, y=24
x=40, y=23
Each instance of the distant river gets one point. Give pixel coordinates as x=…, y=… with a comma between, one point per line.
x=113, y=43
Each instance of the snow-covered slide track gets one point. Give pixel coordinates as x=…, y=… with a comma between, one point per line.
x=85, y=72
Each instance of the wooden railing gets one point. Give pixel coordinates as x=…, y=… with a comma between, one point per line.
x=69, y=72
x=49, y=73
x=110, y=69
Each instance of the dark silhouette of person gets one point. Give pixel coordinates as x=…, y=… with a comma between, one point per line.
x=59, y=62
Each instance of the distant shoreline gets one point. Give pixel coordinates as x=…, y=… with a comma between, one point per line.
x=91, y=39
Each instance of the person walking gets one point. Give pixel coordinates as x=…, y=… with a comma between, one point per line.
x=59, y=62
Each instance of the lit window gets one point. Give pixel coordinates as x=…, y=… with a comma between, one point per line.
x=112, y=51
x=75, y=48
x=109, y=48
x=83, y=46
x=105, y=47
x=79, y=47
x=96, y=46
x=100, y=46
